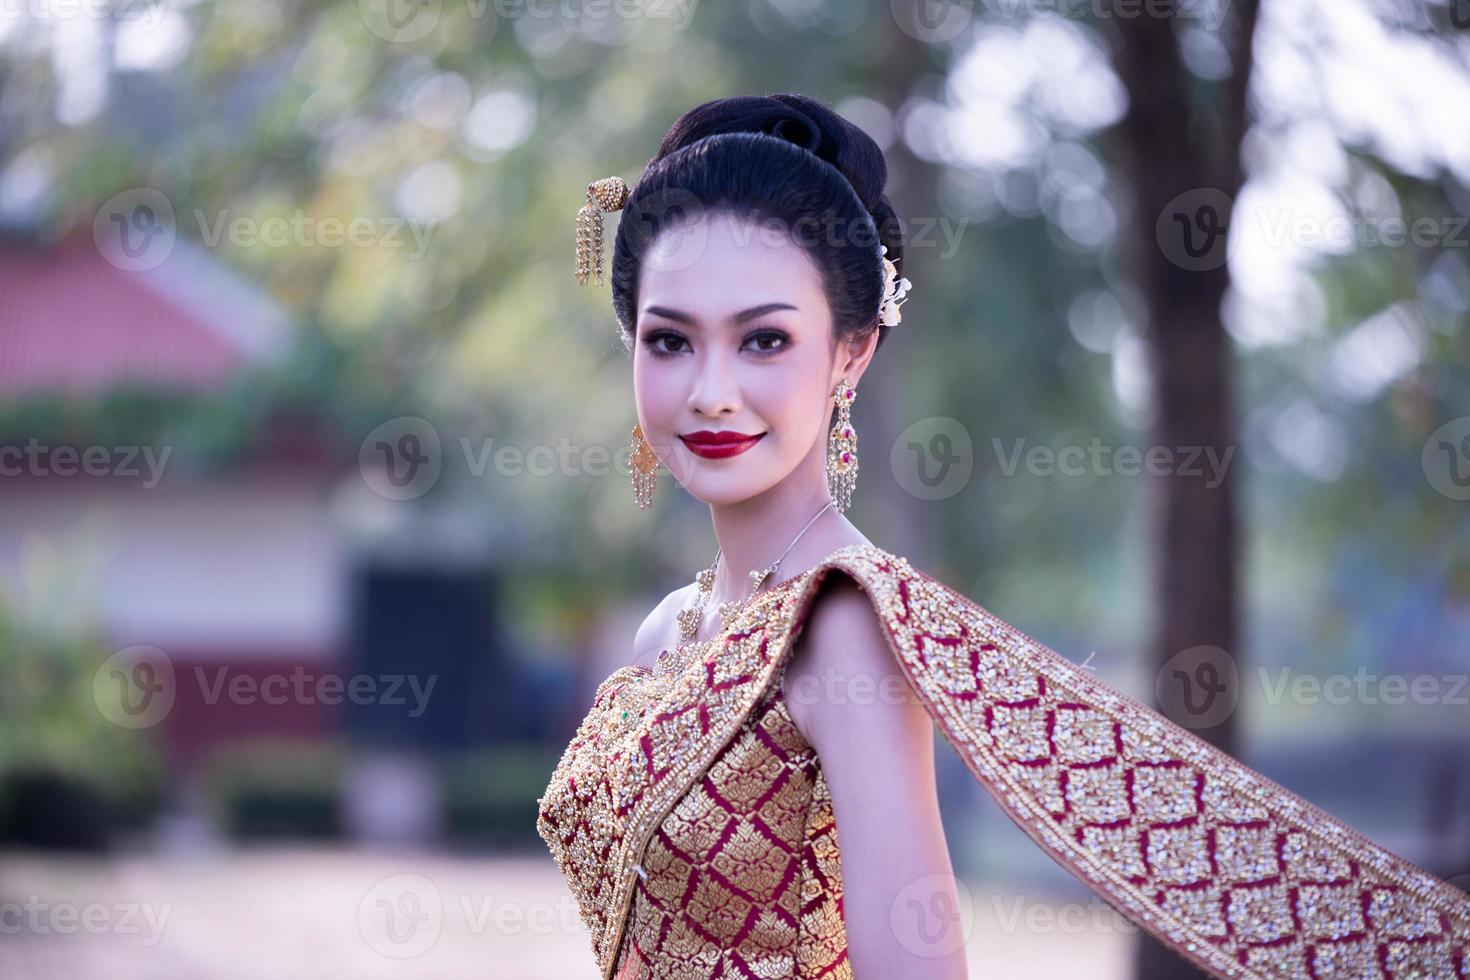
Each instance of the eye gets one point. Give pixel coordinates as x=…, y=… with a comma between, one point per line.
x=777, y=338
x=655, y=337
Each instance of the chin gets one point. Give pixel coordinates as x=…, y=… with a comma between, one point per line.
x=723, y=493
x=721, y=497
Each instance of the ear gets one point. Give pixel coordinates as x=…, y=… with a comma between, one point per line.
x=853, y=358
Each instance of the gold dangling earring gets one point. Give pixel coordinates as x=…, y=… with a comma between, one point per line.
x=644, y=464
x=842, y=457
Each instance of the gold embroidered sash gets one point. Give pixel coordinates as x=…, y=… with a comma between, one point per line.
x=1229, y=869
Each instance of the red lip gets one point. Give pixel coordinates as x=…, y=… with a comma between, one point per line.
x=719, y=445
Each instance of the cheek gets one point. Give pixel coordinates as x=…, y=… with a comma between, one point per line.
x=790, y=405
x=653, y=388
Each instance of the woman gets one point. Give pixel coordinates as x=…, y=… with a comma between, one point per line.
x=754, y=796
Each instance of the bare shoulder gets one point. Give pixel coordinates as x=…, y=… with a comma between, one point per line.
x=659, y=627
x=851, y=698
x=843, y=675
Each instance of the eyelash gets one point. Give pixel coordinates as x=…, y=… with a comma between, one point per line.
x=652, y=339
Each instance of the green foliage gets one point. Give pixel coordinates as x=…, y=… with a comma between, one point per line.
x=490, y=795
x=53, y=737
x=275, y=786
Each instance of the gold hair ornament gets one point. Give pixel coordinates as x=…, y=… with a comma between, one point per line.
x=607, y=194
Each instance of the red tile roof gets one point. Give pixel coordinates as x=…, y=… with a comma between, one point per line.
x=73, y=323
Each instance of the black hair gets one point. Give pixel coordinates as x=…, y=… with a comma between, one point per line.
x=784, y=159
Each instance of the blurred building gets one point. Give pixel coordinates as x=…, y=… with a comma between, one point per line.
x=290, y=599
x=236, y=568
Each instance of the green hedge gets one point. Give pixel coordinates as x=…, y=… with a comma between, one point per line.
x=490, y=795
x=292, y=788
x=69, y=777
x=272, y=787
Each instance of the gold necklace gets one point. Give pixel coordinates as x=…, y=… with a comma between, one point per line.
x=689, y=619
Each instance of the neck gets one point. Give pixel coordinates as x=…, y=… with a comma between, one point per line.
x=754, y=532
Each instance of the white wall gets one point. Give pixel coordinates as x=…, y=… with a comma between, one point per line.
x=239, y=562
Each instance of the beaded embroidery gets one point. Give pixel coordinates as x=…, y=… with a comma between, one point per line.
x=1229, y=869
x=741, y=880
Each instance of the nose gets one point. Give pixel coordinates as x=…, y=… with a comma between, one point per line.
x=715, y=391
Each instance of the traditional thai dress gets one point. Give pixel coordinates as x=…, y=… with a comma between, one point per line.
x=695, y=829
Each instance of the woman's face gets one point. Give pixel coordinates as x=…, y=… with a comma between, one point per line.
x=734, y=336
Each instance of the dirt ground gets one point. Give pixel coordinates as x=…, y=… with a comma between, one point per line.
x=304, y=913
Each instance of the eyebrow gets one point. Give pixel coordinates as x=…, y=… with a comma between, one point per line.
x=741, y=317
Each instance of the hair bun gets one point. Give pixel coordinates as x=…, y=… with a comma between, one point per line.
x=797, y=129
x=840, y=143
x=784, y=157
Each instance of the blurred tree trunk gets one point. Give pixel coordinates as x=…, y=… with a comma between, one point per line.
x=900, y=63
x=1178, y=152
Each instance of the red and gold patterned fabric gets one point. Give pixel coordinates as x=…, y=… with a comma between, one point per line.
x=742, y=876
x=693, y=825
